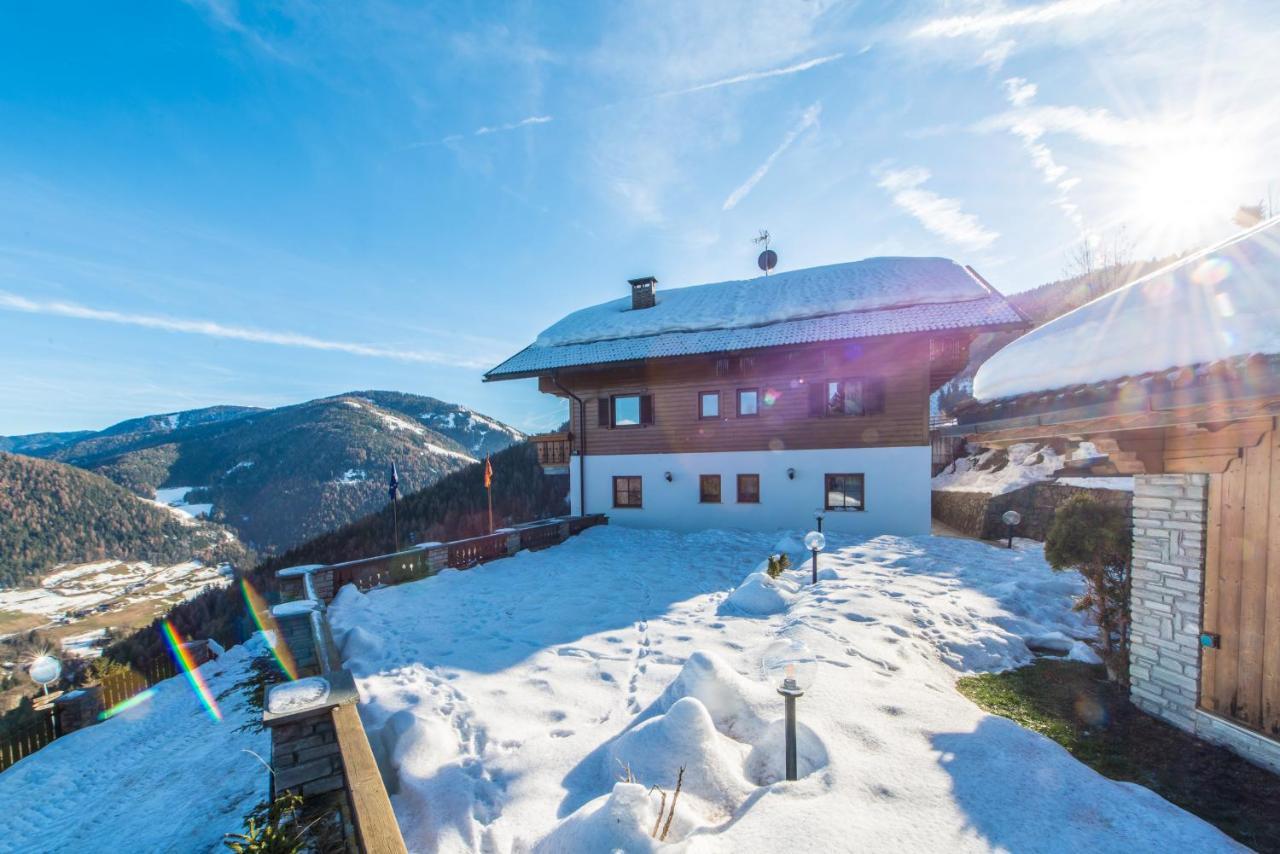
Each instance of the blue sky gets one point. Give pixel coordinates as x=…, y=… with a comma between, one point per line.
x=261, y=203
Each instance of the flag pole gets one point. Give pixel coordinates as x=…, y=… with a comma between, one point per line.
x=394, y=488
x=488, y=488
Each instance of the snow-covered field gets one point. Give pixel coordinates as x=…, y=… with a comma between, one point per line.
x=174, y=499
x=162, y=776
x=506, y=703
x=112, y=584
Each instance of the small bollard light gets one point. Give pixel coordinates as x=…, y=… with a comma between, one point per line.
x=792, y=665
x=1011, y=519
x=815, y=541
x=819, y=515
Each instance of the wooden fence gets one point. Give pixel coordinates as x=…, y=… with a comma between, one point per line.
x=114, y=689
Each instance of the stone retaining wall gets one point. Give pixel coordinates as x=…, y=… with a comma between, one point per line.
x=978, y=513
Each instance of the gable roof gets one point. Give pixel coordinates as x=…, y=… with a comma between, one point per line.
x=1219, y=304
x=860, y=299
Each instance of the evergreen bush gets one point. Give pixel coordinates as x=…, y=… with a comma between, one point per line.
x=1095, y=539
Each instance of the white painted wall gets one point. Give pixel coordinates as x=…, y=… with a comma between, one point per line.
x=897, y=489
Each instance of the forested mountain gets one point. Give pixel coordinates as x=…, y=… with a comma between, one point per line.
x=52, y=513
x=280, y=476
x=452, y=508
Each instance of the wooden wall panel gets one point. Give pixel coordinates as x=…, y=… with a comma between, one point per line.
x=1241, y=679
x=785, y=424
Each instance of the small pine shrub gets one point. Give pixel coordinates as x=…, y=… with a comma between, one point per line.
x=777, y=565
x=271, y=828
x=1094, y=538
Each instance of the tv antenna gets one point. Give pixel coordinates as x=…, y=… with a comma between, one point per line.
x=768, y=258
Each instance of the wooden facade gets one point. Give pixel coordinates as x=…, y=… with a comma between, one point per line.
x=1240, y=675
x=1237, y=445
x=904, y=369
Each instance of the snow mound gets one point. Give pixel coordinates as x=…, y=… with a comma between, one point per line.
x=685, y=736
x=991, y=472
x=360, y=643
x=759, y=595
x=767, y=762
x=619, y=821
x=722, y=691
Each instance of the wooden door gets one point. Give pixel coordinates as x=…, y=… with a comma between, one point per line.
x=1240, y=679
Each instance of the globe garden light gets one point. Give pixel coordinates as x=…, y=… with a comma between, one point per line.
x=793, y=667
x=1011, y=519
x=44, y=671
x=815, y=541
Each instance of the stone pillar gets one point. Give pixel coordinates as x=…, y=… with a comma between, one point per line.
x=77, y=709
x=1169, y=515
x=293, y=580
x=293, y=623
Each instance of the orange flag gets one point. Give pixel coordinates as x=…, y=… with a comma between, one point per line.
x=488, y=472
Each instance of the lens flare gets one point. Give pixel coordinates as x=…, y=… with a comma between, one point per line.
x=270, y=630
x=125, y=705
x=183, y=657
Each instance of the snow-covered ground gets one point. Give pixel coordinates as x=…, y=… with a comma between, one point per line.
x=174, y=498
x=507, y=702
x=1026, y=463
x=162, y=776
x=113, y=584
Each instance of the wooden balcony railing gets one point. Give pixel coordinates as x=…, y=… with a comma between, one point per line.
x=553, y=450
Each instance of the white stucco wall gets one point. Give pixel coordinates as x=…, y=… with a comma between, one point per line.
x=896, y=483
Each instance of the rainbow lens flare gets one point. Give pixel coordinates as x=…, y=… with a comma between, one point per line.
x=270, y=631
x=125, y=705
x=183, y=657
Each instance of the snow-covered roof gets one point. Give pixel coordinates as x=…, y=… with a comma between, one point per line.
x=860, y=299
x=1221, y=303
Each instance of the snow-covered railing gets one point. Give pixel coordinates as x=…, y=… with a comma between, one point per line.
x=322, y=582
x=319, y=750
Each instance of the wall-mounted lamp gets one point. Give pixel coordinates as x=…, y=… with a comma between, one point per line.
x=791, y=474
x=667, y=476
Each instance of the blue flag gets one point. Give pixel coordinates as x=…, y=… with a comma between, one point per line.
x=394, y=486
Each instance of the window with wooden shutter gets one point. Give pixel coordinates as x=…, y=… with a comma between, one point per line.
x=646, y=409
x=709, y=488
x=604, y=416
x=748, y=489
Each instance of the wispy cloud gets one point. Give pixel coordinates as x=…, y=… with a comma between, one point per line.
x=224, y=15
x=996, y=19
x=758, y=75
x=808, y=120
x=485, y=130
x=1020, y=93
x=940, y=215
x=212, y=329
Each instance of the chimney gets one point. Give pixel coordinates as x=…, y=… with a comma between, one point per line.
x=642, y=292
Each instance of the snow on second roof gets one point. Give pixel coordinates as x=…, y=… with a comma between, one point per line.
x=1220, y=303
x=874, y=283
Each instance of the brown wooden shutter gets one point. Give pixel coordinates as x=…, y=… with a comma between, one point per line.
x=602, y=408
x=873, y=390
x=818, y=399
x=646, y=409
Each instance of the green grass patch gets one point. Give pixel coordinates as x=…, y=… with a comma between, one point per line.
x=1075, y=705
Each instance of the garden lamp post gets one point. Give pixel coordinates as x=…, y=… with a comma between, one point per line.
x=791, y=663
x=819, y=515
x=815, y=541
x=1011, y=519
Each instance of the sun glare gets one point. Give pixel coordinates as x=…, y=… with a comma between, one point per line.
x=1179, y=190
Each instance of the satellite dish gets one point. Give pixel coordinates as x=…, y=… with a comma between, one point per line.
x=768, y=260
x=45, y=670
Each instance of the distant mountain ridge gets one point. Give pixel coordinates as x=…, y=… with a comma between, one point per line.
x=52, y=513
x=281, y=476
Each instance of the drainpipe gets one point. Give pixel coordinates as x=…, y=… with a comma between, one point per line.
x=582, y=455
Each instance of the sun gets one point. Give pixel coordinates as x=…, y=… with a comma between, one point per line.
x=1181, y=188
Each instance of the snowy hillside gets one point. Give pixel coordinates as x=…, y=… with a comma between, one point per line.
x=162, y=776
x=998, y=470
x=509, y=704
